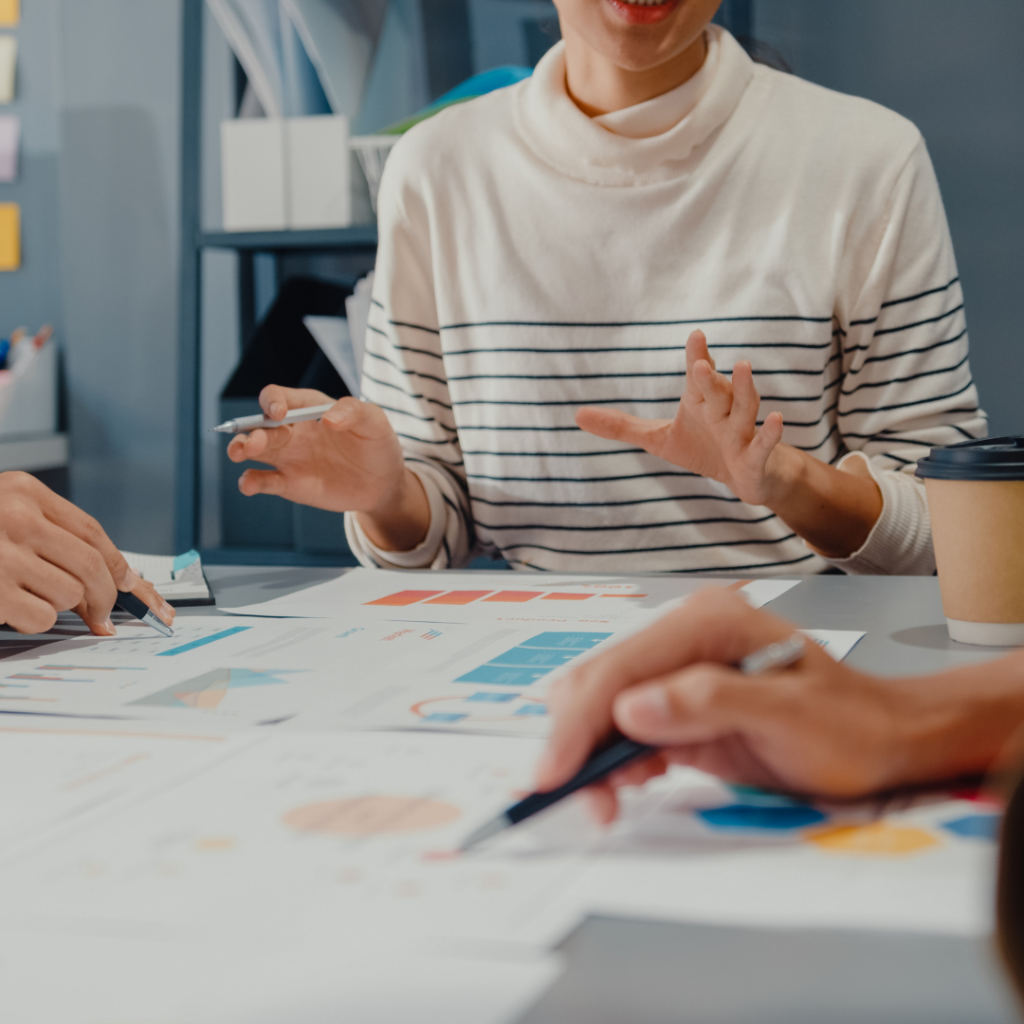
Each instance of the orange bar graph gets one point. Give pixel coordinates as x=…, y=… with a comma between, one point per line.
x=566, y=597
x=623, y=595
x=514, y=596
x=404, y=597
x=458, y=597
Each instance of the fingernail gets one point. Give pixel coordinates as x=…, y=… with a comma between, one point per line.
x=334, y=417
x=109, y=627
x=131, y=581
x=277, y=410
x=649, y=704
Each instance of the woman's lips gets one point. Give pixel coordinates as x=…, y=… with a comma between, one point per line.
x=643, y=14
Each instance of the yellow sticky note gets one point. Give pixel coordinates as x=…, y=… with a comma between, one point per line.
x=10, y=12
x=10, y=236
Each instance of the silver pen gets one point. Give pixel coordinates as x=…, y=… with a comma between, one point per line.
x=245, y=423
x=619, y=754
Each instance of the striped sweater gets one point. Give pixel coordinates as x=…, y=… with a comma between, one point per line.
x=532, y=261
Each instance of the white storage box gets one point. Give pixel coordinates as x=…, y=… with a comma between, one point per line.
x=286, y=173
x=28, y=393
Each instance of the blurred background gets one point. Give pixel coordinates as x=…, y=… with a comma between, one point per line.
x=124, y=168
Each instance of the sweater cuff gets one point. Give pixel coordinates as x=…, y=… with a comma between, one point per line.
x=900, y=542
x=421, y=556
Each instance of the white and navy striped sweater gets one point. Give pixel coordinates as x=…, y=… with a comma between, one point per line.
x=532, y=262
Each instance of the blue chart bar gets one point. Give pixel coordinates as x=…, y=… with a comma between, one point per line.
x=561, y=641
x=202, y=641
x=533, y=659
x=503, y=675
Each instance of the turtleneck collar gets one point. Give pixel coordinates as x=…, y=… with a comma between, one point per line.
x=662, y=113
x=616, y=154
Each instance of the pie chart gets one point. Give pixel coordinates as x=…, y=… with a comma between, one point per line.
x=371, y=815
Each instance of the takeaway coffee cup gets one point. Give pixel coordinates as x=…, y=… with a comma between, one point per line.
x=976, y=501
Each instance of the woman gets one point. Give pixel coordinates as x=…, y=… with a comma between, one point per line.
x=552, y=245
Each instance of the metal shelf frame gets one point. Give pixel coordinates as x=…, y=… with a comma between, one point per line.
x=360, y=240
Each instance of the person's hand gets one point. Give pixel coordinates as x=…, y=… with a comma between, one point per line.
x=54, y=557
x=714, y=432
x=349, y=461
x=816, y=727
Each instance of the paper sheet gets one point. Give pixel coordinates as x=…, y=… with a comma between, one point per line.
x=65, y=777
x=255, y=670
x=836, y=642
x=690, y=848
x=176, y=577
x=501, y=597
x=305, y=835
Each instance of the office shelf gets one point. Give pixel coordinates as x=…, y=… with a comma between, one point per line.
x=363, y=236
x=34, y=453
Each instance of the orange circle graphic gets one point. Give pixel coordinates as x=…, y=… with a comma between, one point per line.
x=877, y=839
x=371, y=815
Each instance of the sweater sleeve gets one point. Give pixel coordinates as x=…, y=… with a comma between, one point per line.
x=905, y=384
x=404, y=374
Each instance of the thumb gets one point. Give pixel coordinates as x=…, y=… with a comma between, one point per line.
x=766, y=440
x=618, y=426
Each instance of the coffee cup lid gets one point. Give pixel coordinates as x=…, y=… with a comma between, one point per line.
x=990, y=458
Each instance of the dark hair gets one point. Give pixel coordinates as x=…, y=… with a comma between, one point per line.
x=762, y=53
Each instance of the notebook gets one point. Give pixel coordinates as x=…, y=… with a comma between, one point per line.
x=179, y=579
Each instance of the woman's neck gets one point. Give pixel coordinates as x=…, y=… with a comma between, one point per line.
x=599, y=86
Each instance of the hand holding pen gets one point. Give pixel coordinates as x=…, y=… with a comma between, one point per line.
x=677, y=688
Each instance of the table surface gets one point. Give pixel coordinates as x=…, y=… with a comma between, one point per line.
x=906, y=630
x=662, y=972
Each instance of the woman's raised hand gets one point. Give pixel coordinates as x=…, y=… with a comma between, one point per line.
x=349, y=461
x=714, y=432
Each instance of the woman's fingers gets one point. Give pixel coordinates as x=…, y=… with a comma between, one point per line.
x=96, y=589
x=619, y=426
x=697, y=349
x=27, y=613
x=262, y=481
x=745, y=400
x=715, y=390
x=275, y=401
x=765, y=441
x=72, y=520
x=148, y=594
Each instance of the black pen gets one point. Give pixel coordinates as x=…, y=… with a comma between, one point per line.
x=619, y=754
x=136, y=606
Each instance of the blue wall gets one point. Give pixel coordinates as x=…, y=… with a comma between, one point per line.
x=956, y=69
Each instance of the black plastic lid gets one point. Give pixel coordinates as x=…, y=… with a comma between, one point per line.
x=991, y=458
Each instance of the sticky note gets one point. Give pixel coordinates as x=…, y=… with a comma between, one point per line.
x=10, y=12
x=10, y=236
x=10, y=135
x=8, y=64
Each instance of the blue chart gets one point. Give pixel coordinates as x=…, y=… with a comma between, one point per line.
x=206, y=692
x=533, y=659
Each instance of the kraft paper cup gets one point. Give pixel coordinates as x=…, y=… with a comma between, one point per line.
x=976, y=502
